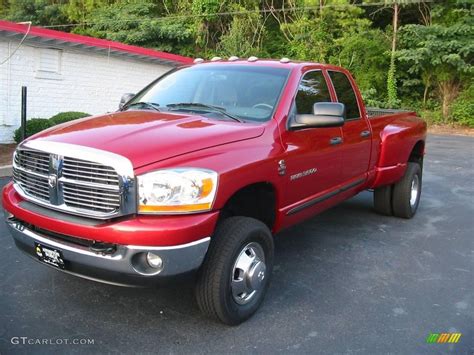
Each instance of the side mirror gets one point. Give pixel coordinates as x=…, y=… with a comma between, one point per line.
x=325, y=114
x=125, y=98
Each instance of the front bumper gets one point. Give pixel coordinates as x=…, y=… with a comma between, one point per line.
x=180, y=241
x=126, y=265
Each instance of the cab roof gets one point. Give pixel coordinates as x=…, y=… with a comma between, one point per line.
x=275, y=63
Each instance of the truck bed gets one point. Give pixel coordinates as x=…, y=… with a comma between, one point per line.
x=373, y=112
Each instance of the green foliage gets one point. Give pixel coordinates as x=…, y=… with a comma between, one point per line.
x=463, y=108
x=365, y=55
x=245, y=35
x=432, y=63
x=66, y=117
x=135, y=22
x=33, y=126
x=4, y=8
x=39, y=12
x=392, y=99
x=440, y=54
x=78, y=10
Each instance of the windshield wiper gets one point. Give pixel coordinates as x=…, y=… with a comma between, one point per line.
x=211, y=108
x=151, y=105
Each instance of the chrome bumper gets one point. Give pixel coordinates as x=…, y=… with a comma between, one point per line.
x=126, y=265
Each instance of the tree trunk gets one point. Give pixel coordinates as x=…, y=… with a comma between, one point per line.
x=448, y=91
x=395, y=28
x=445, y=107
x=391, y=80
x=425, y=94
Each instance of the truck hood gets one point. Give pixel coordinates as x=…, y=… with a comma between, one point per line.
x=145, y=137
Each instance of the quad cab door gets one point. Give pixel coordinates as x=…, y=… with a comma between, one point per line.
x=313, y=159
x=356, y=133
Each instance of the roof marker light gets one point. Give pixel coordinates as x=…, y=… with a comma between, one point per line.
x=215, y=59
x=198, y=60
x=233, y=58
x=252, y=59
x=285, y=60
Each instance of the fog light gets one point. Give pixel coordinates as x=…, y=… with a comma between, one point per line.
x=154, y=260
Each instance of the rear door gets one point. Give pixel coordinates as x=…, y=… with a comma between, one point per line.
x=356, y=131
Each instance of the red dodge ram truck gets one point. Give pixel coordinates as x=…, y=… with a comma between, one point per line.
x=196, y=173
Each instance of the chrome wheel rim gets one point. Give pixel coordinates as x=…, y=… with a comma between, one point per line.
x=248, y=274
x=415, y=188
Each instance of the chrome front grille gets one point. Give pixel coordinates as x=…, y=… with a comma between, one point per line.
x=32, y=184
x=33, y=178
x=35, y=161
x=73, y=185
x=90, y=172
x=91, y=198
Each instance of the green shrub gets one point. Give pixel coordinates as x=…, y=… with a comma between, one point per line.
x=33, y=125
x=67, y=116
x=432, y=117
x=462, y=110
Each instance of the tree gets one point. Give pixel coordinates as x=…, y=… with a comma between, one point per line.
x=78, y=11
x=245, y=34
x=410, y=53
x=365, y=54
x=312, y=34
x=39, y=12
x=391, y=79
x=441, y=54
x=140, y=23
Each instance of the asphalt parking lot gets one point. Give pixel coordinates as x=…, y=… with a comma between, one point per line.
x=347, y=281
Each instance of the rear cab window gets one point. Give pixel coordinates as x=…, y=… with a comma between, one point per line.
x=345, y=94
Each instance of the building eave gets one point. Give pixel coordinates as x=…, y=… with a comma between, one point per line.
x=46, y=37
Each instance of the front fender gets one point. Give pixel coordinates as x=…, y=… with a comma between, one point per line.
x=238, y=164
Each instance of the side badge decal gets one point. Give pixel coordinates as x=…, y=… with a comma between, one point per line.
x=281, y=168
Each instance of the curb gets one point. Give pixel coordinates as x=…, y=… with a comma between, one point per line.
x=6, y=170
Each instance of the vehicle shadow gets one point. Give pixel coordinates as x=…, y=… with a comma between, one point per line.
x=301, y=251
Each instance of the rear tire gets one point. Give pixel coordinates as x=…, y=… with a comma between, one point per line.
x=407, y=192
x=383, y=200
x=236, y=272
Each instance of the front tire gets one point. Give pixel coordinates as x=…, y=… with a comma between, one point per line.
x=236, y=272
x=407, y=192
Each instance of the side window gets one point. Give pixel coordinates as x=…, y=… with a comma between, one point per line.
x=313, y=88
x=345, y=94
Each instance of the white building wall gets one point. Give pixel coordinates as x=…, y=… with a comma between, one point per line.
x=65, y=80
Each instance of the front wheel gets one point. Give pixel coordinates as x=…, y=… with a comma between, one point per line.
x=236, y=272
x=407, y=192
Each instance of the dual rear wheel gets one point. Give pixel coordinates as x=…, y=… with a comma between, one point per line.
x=402, y=198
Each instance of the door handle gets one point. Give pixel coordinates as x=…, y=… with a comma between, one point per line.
x=335, y=140
x=365, y=134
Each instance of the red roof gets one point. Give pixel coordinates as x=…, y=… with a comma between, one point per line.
x=85, y=41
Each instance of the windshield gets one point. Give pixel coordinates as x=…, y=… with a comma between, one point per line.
x=245, y=92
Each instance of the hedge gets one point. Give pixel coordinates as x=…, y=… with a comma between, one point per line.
x=35, y=125
x=67, y=116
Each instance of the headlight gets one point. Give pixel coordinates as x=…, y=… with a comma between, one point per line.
x=178, y=190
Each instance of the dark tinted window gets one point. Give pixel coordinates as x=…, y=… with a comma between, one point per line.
x=345, y=94
x=312, y=89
